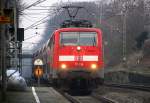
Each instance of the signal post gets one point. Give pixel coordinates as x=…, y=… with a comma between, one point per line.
x=38, y=70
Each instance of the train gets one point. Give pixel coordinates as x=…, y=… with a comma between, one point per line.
x=73, y=57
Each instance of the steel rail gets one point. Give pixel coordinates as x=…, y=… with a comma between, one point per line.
x=101, y=99
x=129, y=86
x=71, y=98
x=104, y=99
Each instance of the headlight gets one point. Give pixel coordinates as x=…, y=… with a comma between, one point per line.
x=93, y=66
x=63, y=66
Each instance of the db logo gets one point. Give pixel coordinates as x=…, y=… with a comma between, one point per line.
x=78, y=58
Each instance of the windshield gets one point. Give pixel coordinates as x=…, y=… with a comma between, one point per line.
x=78, y=38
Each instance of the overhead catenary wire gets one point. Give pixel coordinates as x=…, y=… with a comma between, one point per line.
x=41, y=10
x=31, y=16
x=45, y=6
x=38, y=9
x=43, y=23
x=42, y=20
x=46, y=13
x=36, y=34
x=33, y=42
x=50, y=27
x=31, y=37
x=35, y=24
x=39, y=24
x=34, y=4
x=26, y=17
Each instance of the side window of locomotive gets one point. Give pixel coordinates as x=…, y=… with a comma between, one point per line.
x=53, y=39
x=88, y=38
x=49, y=44
x=69, y=38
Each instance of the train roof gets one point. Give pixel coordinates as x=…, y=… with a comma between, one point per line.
x=78, y=29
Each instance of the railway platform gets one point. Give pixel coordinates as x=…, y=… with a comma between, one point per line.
x=35, y=95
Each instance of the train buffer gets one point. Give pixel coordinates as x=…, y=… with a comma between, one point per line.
x=36, y=95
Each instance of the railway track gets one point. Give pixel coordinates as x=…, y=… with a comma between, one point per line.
x=88, y=99
x=97, y=98
x=129, y=86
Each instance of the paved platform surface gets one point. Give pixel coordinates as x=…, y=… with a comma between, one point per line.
x=49, y=95
x=41, y=95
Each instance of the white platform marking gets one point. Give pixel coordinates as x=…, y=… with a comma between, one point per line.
x=35, y=95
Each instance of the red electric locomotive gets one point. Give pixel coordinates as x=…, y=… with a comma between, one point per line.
x=74, y=53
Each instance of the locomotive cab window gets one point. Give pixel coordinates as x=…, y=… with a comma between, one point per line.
x=78, y=38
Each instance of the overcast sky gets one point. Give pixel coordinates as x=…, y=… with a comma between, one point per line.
x=32, y=15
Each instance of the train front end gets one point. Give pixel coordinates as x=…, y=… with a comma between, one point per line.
x=80, y=55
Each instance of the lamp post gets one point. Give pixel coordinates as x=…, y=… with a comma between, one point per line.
x=124, y=36
x=15, y=33
x=3, y=32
